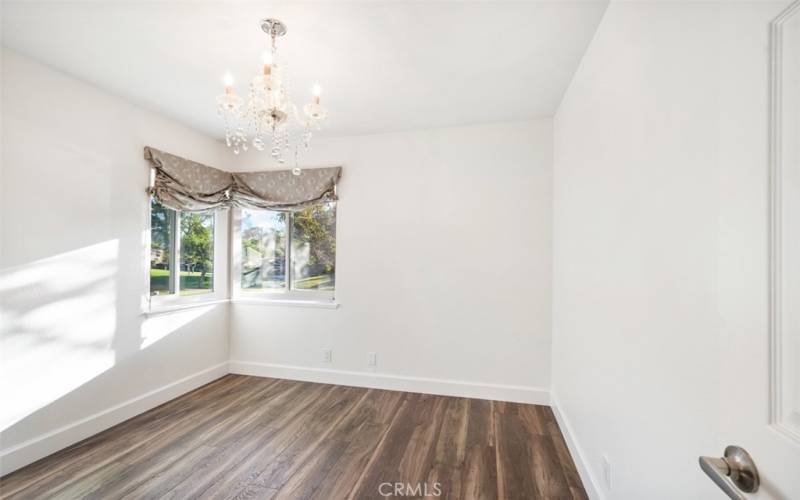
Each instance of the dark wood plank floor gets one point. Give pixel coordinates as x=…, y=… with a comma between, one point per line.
x=250, y=437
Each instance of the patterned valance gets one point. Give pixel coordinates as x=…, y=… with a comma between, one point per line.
x=189, y=186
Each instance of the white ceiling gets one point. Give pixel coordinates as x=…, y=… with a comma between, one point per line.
x=383, y=66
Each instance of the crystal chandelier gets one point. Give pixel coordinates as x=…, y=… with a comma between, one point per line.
x=269, y=115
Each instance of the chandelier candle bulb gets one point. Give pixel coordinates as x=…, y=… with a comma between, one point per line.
x=266, y=58
x=317, y=91
x=228, y=82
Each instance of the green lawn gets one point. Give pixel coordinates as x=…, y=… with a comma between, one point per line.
x=323, y=282
x=191, y=283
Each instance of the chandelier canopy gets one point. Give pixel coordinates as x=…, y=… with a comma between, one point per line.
x=269, y=115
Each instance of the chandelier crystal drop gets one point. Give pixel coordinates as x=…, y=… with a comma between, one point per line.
x=268, y=119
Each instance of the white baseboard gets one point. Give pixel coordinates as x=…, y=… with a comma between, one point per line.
x=590, y=483
x=498, y=392
x=29, y=451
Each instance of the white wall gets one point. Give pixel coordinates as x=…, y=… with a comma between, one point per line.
x=659, y=237
x=74, y=342
x=443, y=266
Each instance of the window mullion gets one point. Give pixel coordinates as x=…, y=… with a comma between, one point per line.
x=287, y=252
x=176, y=253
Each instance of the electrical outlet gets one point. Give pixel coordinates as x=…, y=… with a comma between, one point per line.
x=372, y=359
x=327, y=355
x=607, y=472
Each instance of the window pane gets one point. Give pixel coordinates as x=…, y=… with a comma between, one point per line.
x=314, y=248
x=197, y=253
x=263, y=250
x=162, y=227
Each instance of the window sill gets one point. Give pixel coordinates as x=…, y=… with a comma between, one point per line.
x=166, y=309
x=172, y=308
x=317, y=304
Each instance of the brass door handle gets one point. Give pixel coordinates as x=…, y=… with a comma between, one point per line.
x=734, y=473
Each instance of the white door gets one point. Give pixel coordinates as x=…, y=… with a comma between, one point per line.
x=761, y=383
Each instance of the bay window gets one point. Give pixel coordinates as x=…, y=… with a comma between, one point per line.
x=281, y=248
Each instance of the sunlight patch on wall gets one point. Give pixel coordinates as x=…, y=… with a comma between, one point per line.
x=156, y=328
x=57, y=326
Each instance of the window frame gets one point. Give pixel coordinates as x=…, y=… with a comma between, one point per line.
x=277, y=296
x=154, y=303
